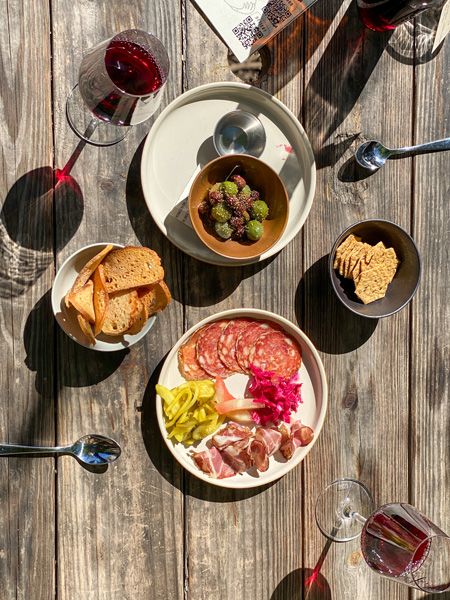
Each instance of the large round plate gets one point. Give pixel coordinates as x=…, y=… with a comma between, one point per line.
x=67, y=317
x=180, y=142
x=311, y=411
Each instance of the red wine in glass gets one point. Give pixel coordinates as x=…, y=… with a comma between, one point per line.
x=397, y=540
x=388, y=14
x=120, y=82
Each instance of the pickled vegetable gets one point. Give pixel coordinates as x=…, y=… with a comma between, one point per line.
x=223, y=230
x=190, y=411
x=254, y=230
x=220, y=212
x=259, y=210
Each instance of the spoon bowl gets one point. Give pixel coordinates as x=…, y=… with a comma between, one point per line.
x=90, y=449
x=372, y=155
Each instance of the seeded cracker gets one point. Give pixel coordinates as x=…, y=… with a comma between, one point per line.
x=342, y=247
x=353, y=241
x=372, y=284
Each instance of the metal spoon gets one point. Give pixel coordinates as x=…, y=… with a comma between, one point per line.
x=372, y=155
x=90, y=449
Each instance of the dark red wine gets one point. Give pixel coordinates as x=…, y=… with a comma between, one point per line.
x=382, y=16
x=124, y=90
x=392, y=537
x=132, y=68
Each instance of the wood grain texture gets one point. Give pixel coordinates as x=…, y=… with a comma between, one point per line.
x=27, y=493
x=144, y=529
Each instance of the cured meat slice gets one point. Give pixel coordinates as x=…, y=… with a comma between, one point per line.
x=208, y=352
x=247, y=338
x=232, y=434
x=294, y=436
x=276, y=352
x=211, y=461
x=187, y=358
x=271, y=439
x=227, y=343
x=239, y=459
x=259, y=455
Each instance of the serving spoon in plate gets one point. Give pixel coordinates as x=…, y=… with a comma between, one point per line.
x=372, y=155
x=90, y=449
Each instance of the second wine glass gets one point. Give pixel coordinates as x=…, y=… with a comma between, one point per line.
x=397, y=540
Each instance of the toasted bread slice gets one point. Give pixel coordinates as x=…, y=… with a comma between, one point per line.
x=101, y=298
x=131, y=267
x=83, y=301
x=162, y=298
x=140, y=321
x=123, y=310
x=86, y=272
x=147, y=295
x=86, y=329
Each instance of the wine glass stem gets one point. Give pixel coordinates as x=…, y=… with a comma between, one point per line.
x=349, y=513
x=91, y=127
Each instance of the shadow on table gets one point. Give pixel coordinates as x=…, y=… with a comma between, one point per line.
x=337, y=82
x=203, y=283
x=27, y=226
x=166, y=464
x=77, y=366
x=331, y=327
x=302, y=584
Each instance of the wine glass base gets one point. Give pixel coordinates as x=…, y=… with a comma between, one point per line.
x=342, y=508
x=88, y=127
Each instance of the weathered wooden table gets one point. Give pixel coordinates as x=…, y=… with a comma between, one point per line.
x=145, y=528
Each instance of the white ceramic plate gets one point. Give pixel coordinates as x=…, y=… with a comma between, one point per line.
x=67, y=317
x=311, y=411
x=180, y=143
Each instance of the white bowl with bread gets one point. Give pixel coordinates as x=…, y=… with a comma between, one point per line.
x=105, y=296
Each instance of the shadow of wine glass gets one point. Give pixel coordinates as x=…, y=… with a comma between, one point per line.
x=27, y=226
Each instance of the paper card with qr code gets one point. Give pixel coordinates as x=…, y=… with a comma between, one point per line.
x=246, y=25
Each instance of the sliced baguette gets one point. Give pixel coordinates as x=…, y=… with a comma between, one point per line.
x=86, y=329
x=123, y=310
x=162, y=298
x=83, y=301
x=131, y=267
x=140, y=321
x=86, y=272
x=101, y=299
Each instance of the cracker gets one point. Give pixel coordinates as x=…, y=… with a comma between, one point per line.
x=372, y=284
x=343, y=247
x=353, y=240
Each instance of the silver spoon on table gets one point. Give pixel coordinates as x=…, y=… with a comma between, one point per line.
x=372, y=155
x=90, y=449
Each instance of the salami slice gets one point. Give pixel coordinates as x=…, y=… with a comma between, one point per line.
x=208, y=350
x=276, y=352
x=227, y=343
x=187, y=358
x=247, y=339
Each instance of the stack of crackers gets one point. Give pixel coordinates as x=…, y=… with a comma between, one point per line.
x=372, y=268
x=117, y=291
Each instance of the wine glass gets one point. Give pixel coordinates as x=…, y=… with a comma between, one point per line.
x=397, y=540
x=120, y=84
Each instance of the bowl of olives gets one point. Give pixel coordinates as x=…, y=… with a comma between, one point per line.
x=238, y=206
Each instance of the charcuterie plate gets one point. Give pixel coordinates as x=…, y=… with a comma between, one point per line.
x=311, y=411
x=180, y=143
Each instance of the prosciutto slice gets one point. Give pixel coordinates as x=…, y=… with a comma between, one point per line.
x=294, y=436
x=239, y=459
x=270, y=437
x=210, y=461
x=259, y=455
x=232, y=434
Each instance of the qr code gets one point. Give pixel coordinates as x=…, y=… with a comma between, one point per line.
x=247, y=32
x=276, y=12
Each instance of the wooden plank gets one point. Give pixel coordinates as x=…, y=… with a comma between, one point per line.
x=367, y=429
x=430, y=484
x=243, y=544
x=120, y=533
x=27, y=521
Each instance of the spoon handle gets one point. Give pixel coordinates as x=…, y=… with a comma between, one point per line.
x=435, y=146
x=9, y=449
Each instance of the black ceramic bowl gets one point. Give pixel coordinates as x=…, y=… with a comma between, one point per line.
x=404, y=285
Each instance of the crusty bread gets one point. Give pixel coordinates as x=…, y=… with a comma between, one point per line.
x=161, y=299
x=140, y=321
x=131, y=267
x=123, y=310
x=101, y=299
x=147, y=295
x=86, y=272
x=86, y=329
x=83, y=301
